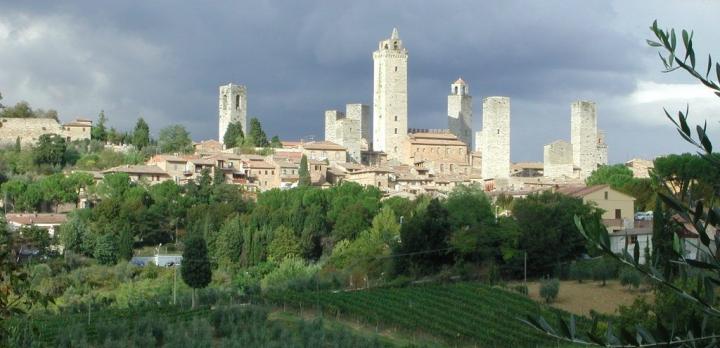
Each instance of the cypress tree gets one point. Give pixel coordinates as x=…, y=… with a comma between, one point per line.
x=303, y=172
x=195, y=268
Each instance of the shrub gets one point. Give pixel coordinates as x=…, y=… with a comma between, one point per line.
x=604, y=269
x=580, y=271
x=630, y=277
x=292, y=273
x=549, y=289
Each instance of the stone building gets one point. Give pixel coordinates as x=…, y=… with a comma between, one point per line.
x=558, y=159
x=589, y=147
x=29, y=130
x=324, y=151
x=460, y=112
x=347, y=129
x=390, y=104
x=495, y=138
x=640, y=167
x=478, y=141
x=232, y=108
x=440, y=152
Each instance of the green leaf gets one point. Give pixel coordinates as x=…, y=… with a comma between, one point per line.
x=685, y=38
x=709, y=291
x=709, y=67
x=653, y=43
x=717, y=71
x=564, y=329
x=703, y=265
x=673, y=40
x=677, y=247
x=573, y=326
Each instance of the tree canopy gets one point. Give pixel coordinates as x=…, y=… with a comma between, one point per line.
x=234, y=135
x=174, y=138
x=141, y=134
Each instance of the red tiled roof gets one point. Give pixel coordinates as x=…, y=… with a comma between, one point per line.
x=30, y=219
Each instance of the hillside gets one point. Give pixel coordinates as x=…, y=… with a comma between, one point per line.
x=463, y=313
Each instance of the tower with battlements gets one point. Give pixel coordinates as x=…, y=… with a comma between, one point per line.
x=460, y=112
x=232, y=108
x=390, y=103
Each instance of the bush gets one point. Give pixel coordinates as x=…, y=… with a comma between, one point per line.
x=580, y=271
x=549, y=289
x=630, y=277
x=293, y=273
x=604, y=269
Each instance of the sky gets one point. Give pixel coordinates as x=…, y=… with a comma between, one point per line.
x=164, y=60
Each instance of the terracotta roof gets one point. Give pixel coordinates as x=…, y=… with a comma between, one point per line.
x=372, y=170
x=136, y=169
x=203, y=161
x=170, y=158
x=459, y=81
x=322, y=145
x=434, y=139
x=77, y=124
x=290, y=144
x=527, y=165
x=29, y=219
x=258, y=165
x=580, y=191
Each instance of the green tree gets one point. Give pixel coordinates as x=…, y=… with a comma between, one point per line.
x=617, y=176
x=50, y=150
x=275, y=142
x=304, y=172
x=195, y=268
x=20, y=110
x=424, y=241
x=549, y=289
x=284, y=245
x=233, y=135
x=663, y=252
x=230, y=243
x=98, y=131
x=73, y=234
x=175, y=138
x=141, y=134
x=256, y=135
x=106, y=250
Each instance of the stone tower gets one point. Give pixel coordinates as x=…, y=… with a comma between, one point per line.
x=496, y=138
x=232, y=108
x=460, y=112
x=346, y=129
x=584, y=136
x=390, y=112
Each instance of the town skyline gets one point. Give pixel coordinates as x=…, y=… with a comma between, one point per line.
x=293, y=79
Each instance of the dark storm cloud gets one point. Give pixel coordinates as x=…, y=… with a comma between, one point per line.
x=164, y=60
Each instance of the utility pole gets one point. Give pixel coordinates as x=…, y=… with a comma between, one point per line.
x=175, y=286
x=525, y=270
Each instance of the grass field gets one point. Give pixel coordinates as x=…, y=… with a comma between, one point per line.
x=465, y=314
x=580, y=298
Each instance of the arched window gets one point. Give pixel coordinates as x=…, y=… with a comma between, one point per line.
x=456, y=90
x=396, y=118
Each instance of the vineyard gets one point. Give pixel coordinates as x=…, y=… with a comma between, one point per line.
x=231, y=326
x=464, y=313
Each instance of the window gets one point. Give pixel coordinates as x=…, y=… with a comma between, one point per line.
x=455, y=89
x=606, y=195
x=395, y=118
x=396, y=67
x=395, y=130
x=237, y=102
x=618, y=214
x=498, y=131
x=395, y=149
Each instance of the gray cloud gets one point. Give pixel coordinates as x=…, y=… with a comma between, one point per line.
x=164, y=60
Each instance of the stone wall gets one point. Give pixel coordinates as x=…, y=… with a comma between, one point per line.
x=362, y=113
x=29, y=131
x=496, y=138
x=478, y=141
x=232, y=108
x=558, y=159
x=602, y=149
x=331, y=128
x=390, y=121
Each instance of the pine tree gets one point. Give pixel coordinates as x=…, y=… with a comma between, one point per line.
x=257, y=134
x=303, y=172
x=195, y=268
x=662, y=240
x=141, y=134
x=275, y=142
x=98, y=131
x=233, y=135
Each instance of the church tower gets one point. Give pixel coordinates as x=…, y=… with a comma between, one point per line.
x=460, y=112
x=390, y=121
x=232, y=108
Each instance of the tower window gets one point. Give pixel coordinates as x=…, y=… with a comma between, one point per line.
x=456, y=90
x=395, y=118
x=395, y=68
x=237, y=102
x=395, y=130
x=395, y=149
x=498, y=130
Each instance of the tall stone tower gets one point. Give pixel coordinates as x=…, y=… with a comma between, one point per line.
x=584, y=136
x=346, y=129
x=232, y=108
x=496, y=138
x=390, y=121
x=460, y=112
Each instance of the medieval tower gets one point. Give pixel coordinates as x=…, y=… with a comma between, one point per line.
x=232, y=108
x=495, y=138
x=390, y=103
x=460, y=112
x=584, y=137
